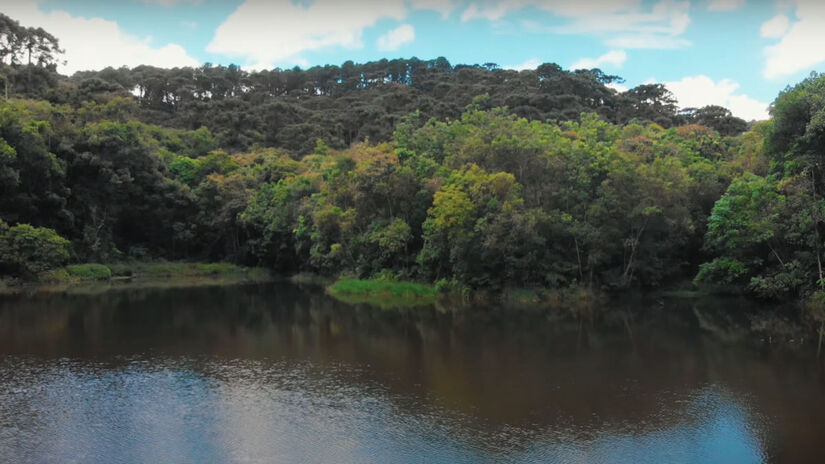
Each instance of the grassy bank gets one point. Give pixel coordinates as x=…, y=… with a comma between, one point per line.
x=150, y=274
x=394, y=293
x=383, y=292
x=184, y=269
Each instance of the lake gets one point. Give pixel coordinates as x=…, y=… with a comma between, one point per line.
x=277, y=373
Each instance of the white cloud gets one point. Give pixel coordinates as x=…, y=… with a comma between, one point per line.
x=172, y=2
x=491, y=13
x=699, y=91
x=397, y=37
x=284, y=64
x=775, y=27
x=648, y=41
x=270, y=31
x=625, y=23
x=530, y=64
x=725, y=5
x=95, y=43
x=747, y=108
x=497, y=9
x=617, y=87
x=445, y=7
x=613, y=57
x=801, y=45
x=667, y=17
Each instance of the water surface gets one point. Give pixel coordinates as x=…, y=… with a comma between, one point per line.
x=277, y=373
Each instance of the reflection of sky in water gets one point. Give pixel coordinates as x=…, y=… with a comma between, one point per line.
x=254, y=412
x=718, y=431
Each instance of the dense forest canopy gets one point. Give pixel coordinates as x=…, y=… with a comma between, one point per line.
x=471, y=175
x=341, y=105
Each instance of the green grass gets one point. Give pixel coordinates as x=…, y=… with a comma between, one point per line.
x=183, y=269
x=383, y=293
x=91, y=278
x=77, y=273
x=382, y=288
x=150, y=274
x=90, y=271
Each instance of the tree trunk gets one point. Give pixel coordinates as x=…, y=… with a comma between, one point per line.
x=628, y=271
x=579, y=259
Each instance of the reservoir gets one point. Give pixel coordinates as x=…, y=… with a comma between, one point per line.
x=279, y=373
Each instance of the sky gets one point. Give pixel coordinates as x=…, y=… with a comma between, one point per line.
x=735, y=53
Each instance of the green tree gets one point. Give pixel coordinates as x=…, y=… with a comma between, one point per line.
x=742, y=230
x=28, y=251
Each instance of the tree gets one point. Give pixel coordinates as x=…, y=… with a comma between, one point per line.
x=24, y=53
x=474, y=229
x=717, y=118
x=743, y=230
x=28, y=251
x=795, y=143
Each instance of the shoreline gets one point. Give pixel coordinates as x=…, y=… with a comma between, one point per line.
x=774, y=323
x=96, y=278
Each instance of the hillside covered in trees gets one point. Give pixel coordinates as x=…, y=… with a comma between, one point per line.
x=471, y=175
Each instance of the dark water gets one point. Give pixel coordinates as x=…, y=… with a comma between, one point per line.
x=279, y=374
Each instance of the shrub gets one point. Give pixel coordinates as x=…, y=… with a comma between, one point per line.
x=89, y=271
x=28, y=251
x=382, y=287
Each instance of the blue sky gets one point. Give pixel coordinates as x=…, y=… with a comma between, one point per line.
x=736, y=53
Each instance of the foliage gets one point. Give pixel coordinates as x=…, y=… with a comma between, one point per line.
x=468, y=176
x=175, y=269
x=765, y=230
x=304, y=111
x=29, y=251
x=89, y=271
x=382, y=287
x=489, y=200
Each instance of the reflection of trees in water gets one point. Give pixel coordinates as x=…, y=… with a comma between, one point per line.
x=621, y=364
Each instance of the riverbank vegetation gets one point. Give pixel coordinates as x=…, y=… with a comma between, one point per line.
x=380, y=287
x=383, y=291
x=146, y=271
x=472, y=177
x=96, y=278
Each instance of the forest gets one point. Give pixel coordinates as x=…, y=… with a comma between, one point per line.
x=467, y=175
